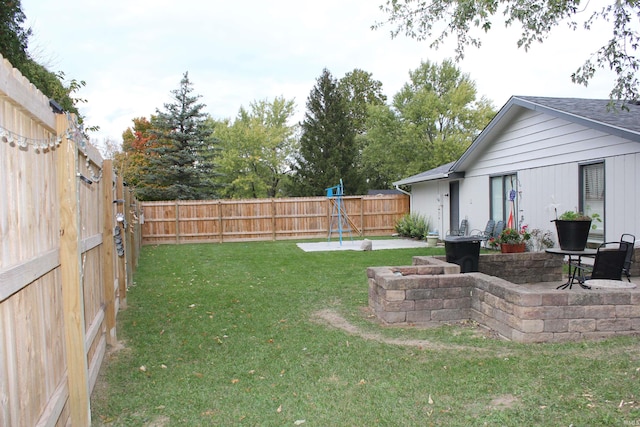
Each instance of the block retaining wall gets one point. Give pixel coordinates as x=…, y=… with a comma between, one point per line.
x=433, y=292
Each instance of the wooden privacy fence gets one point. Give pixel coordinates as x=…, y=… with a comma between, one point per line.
x=63, y=272
x=267, y=219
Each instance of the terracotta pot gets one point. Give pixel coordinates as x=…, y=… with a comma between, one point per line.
x=510, y=248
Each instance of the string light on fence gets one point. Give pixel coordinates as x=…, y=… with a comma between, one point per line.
x=22, y=141
x=73, y=133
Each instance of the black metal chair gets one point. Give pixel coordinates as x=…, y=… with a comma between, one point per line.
x=631, y=240
x=608, y=263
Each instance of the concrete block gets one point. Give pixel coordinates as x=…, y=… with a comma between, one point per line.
x=531, y=326
x=585, y=297
x=555, y=298
x=566, y=336
x=419, y=294
x=419, y=316
x=582, y=325
x=617, y=298
x=462, y=303
x=451, y=292
x=556, y=325
x=525, y=300
x=629, y=311
x=573, y=312
x=524, y=337
x=428, y=304
x=600, y=312
x=598, y=335
x=450, y=315
x=541, y=312
x=613, y=325
x=398, y=305
x=393, y=295
x=393, y=317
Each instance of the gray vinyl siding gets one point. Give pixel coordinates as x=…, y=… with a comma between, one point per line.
x=534, y=140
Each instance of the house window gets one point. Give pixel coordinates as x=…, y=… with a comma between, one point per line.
x=503, y=198
x=592, y=196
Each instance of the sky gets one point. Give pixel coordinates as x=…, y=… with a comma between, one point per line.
x=133, y=53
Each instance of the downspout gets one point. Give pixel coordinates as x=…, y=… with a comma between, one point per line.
x=402, y=191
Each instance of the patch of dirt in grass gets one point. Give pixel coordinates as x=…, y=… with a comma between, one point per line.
x=334, y=319
x=160, y=421
x=505, y=401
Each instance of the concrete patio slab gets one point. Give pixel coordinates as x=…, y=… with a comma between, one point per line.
x=355, y=245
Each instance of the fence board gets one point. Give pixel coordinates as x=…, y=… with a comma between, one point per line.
x=265, y=219
x=53, y=260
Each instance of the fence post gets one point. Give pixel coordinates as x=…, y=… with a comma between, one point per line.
x=273, y=219
x=122, y=271
x=127, y=240
x=177, y=223
x=220, y=221
x=362, y=216
x=70, y=269
x=109, y=264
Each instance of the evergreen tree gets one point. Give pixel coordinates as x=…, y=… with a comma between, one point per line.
x=328, y=150
x=180, y=163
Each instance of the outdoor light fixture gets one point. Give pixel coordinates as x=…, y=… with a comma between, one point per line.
x=120, y=217
x=85, y=179
x=118, y=201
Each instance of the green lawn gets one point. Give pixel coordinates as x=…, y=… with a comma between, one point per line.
x=226, y=334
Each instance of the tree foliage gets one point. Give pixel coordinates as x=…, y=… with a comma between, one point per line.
x=180, y=162
x=424, y=20
x=132, y=160
x=432, y=120
x=361, y=91
x=257, y=150
x=14, y=43
x=328, y=150
x=14, y=39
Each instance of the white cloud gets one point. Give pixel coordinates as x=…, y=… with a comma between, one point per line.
x=133, y=53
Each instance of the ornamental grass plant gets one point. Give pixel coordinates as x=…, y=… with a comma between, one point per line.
x=229, y=334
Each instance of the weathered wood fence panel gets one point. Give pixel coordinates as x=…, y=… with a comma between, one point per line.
x=266, y=219
x=61, y=280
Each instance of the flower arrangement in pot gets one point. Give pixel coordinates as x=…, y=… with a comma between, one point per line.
x=512, y=240
x=573, y=229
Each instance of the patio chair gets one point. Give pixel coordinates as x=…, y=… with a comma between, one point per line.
x=486, y=234
x=462, y=231
x=608, y=263
x=498, y=229
x=631, y=240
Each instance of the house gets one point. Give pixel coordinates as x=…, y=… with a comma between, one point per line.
x=539, y=156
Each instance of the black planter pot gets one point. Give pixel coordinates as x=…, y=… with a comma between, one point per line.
x=573, y=235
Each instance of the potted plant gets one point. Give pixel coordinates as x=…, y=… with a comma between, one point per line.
x=573, y=229
x=432, y=239
x=512, y=240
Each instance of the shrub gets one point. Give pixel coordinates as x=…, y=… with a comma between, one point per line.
x=540, y=240
x=413, y=225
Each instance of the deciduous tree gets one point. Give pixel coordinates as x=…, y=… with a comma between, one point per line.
x=131, y=161
x=257, y=150
x=435, y=20
x=432, y=121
